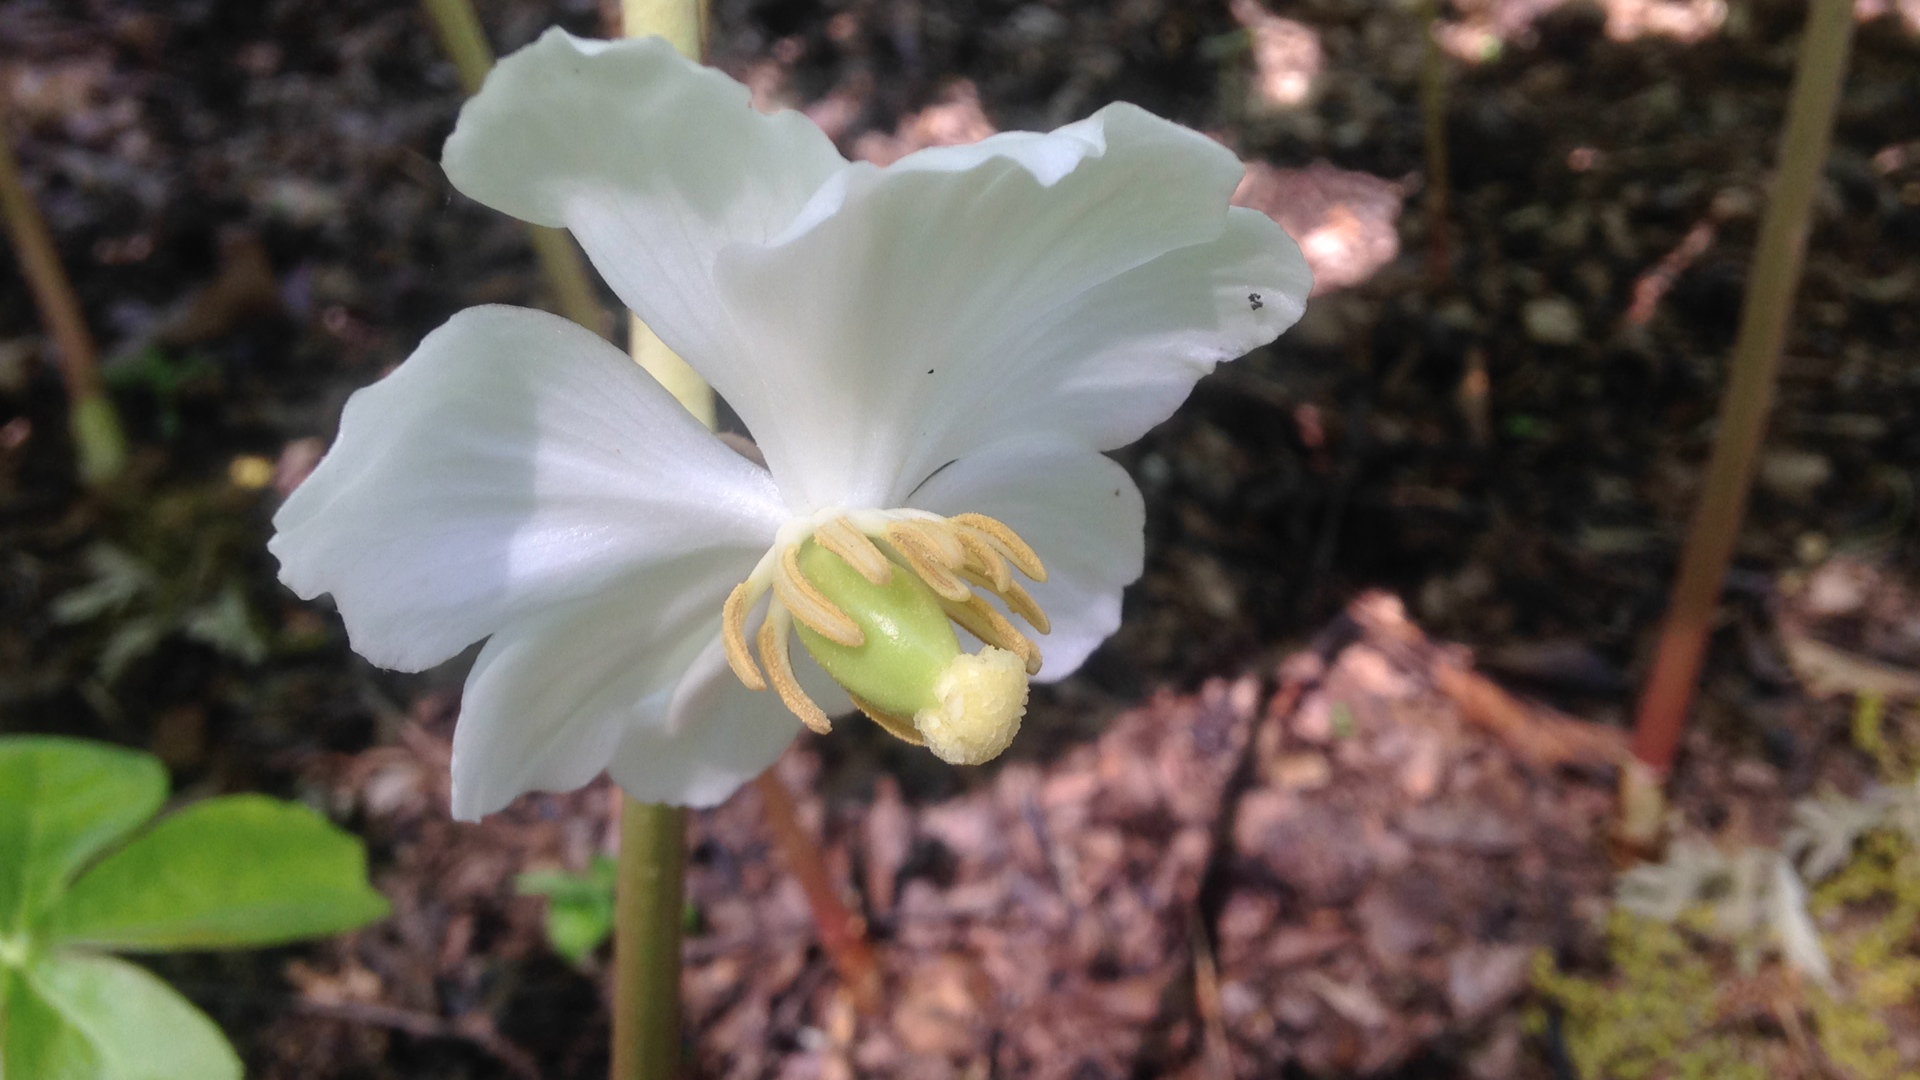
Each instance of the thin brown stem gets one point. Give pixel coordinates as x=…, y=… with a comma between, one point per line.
x=1668, y=695
x=97, y=435
x=465, y=42
x=842, y=933
x=1433, y=110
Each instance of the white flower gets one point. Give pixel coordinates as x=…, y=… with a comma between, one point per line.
x=958, y=334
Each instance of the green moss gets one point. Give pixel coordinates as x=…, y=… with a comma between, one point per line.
x=1655, y=1018
x=1880, y=955
x=1657, y=1013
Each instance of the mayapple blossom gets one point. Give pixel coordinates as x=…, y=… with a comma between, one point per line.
x=930, y=358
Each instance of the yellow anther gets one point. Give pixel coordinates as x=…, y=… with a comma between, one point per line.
x=984, y=560
x=733, y=633
x=773, y=653
x=1019, y=601
x=982, y=621
x=928, y=559
x=810, y=606
x=840, y=537
x=900, y=727
x=1022, y=603
x=937, y=537
x=1006, y=541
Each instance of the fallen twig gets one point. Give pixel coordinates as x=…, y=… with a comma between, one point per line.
x=476, y=1029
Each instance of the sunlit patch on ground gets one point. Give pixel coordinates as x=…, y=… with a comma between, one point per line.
x=1681, y=20
x=955, y=121
x=1287, y=57
x=1343, y=220
x=1483, y=27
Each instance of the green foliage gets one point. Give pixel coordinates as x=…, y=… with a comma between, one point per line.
x=231, y=872
x=99, y=439
x=173, y=574
x=164, y=375
x=73, y=1016
x=224, y=873
x=61, y=802
x=580, y=907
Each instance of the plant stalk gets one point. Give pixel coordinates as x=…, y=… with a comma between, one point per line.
x=649, y=909
x=465, y=42
x=842, y=933
x=1669, y=692
x=651, y=890
x=684, y=24
x=100, y=442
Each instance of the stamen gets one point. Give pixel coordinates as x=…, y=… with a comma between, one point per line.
x=1006, y=541
x=1019, y=601
x=983, y=559
x=982, y=621
x=900, y=727
x=733, y=633
x=1022, y=603
x=773, y=653
x=843, y=539
x=809, y=605
x=926, y=559
x=940, y=538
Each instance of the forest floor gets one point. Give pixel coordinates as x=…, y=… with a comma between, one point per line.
x=1345, y=774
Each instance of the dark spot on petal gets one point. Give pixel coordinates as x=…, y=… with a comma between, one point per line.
x=1253, y=298
x=929, y=371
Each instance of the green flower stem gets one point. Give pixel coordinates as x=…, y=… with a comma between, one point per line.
x=684, y=24
x=466, y=45
x=649, y=908
x=97, y=436
x=651, y=891
x=1777, y=259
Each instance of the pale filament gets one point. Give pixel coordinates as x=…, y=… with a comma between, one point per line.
x=953, y=556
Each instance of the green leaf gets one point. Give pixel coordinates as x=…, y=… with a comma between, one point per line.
x=226, y=623
x=117, y=579
x=132, y=639
x=61, y=802
x=239, y=871
x=79, y=1017
x=579, y=906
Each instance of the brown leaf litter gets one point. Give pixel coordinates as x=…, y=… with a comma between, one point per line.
x=1358, y=860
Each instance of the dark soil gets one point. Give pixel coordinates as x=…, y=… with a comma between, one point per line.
x=1215, y=850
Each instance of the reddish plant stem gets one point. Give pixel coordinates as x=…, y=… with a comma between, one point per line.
x=1669, y=692
x=842, y=933
x=1433, y=112
x=96, y=427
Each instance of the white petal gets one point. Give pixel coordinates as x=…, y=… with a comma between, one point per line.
x=1076, y=282
x=552, y=697
x=712, y=734
x=653, y=161
x=1082, y=515
x=515, y=461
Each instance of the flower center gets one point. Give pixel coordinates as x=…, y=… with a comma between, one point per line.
x=874, y=596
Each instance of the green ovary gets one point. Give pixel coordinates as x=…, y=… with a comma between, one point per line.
x=910, y=675
x=910, y=642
